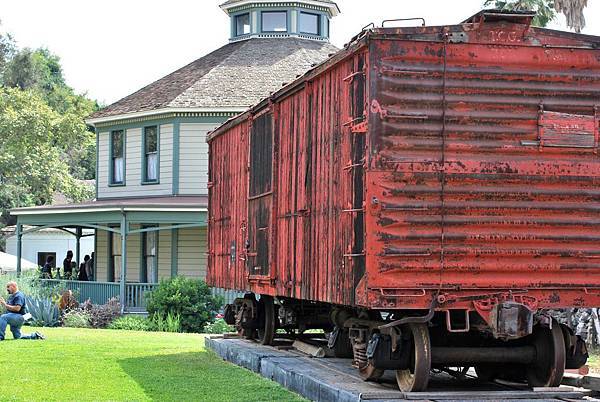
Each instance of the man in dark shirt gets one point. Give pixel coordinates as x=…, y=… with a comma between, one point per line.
x=68, y=265
x=15, y=309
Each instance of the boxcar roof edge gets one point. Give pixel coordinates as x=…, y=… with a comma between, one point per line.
x=362, y=39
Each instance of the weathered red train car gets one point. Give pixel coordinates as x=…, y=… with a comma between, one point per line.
x=424, y=196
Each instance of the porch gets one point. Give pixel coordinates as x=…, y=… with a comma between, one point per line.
x=135, y=293
x=138, y=242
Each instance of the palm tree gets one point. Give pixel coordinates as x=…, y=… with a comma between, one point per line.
x=573, y=10
x=546, y=10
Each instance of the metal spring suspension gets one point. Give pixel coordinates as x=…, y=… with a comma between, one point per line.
x=360, y=354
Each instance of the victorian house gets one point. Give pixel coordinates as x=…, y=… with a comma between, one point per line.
x=150, y=212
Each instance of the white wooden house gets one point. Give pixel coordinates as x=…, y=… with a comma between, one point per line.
x=150, y=212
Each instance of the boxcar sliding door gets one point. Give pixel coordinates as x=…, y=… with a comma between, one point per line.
x=260, y=195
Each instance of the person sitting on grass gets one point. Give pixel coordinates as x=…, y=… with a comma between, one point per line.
x=15, y=310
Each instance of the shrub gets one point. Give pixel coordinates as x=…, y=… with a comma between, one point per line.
x=169, y=323
x=102, y=315
x=131, y=323
x=218, y=327
x=43, y=311
x=76, y=319
x=190, y=299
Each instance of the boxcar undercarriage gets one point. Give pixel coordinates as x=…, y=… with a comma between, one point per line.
x=525, y=346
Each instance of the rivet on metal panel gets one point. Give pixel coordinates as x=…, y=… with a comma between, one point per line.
x=457, y=37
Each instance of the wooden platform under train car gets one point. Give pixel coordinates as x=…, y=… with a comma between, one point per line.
x=334, y=379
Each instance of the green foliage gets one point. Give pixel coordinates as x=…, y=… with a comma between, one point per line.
x=34, y=143
x=7, y=49
x=169, y=323
x=544, y=8
x=76, y=319
x=131, y=323
x=101, y=316
x=218, y=327
x=44, y=311
x=45, y=146
x=190, y=299
x=30, y=284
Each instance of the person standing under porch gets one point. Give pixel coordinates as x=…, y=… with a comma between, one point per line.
x=67, y=266
x=15, y=310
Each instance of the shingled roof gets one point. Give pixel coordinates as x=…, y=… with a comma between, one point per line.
x=235, y=76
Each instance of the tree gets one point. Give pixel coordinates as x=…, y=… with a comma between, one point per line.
x=40, y=71
x=546, y=10
x=33, y=143
x=7, y=48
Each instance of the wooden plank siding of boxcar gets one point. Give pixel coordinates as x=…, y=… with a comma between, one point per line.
x=468, y=199
x=228, y=185
x=313, y=190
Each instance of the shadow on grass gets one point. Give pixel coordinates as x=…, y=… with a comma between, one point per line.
x=200, y=376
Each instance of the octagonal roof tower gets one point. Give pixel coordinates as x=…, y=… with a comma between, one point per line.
x=308, y=19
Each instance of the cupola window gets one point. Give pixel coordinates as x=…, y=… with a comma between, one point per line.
x=274, y=21
x=310, y=23
x=242, y=24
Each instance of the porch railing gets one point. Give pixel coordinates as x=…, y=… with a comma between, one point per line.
x=135, y=293
x=97, y=292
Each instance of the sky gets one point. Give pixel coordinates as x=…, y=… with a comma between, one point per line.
x=112, y=48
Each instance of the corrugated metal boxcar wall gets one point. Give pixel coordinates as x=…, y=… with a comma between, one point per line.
x=483, y=163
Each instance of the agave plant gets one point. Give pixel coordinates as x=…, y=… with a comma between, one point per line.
x=44, y=312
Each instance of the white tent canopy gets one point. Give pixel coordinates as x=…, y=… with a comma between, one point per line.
x=8, y=263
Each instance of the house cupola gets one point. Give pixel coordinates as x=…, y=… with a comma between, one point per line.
x=307, y=19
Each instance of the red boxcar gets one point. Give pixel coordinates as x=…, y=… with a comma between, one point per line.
x=424, y=195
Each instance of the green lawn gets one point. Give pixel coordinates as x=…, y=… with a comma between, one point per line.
x=95, y=365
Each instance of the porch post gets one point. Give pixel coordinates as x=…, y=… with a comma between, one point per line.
x=78, y=234
x=19, y=247
x=123, y=260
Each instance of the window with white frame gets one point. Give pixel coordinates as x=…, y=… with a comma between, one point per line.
x=115, y=249
x=242, y=24
x=151, y=154
x=310, y=23
x=150, y=242
x=117, y=155
x=274, y=21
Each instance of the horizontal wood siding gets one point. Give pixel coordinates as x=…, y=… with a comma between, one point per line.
x=101, y=255
x=191, y=253
x=193, y=158
x=133, y=165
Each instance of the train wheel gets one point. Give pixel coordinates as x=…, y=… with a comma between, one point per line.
x=243, y=315
x=266, y=331
x=415, y=378
x=549, y=367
